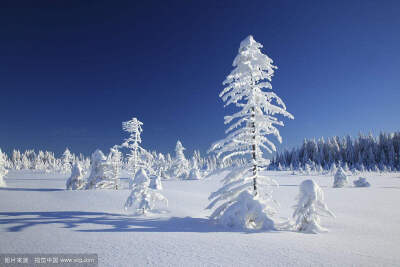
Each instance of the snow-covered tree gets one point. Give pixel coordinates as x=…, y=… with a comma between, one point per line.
x=180, y=166
x=76, y=180
x=3, y=170
x=137, y=154
x=101, y=174
x=195, y=172
x=340, y=178
x=248, y=87
x=142, y=198
x=66, y=160
x=310, y=207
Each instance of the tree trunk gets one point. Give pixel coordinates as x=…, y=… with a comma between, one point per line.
x=253, y=125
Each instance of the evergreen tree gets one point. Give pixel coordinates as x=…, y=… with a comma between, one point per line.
x=248, y=87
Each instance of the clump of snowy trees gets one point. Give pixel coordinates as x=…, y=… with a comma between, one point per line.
x=364, y=153
x=244, y=200
x=310, y=207
x=46, y=161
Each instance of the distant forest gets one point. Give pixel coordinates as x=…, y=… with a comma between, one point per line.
x=364, y=153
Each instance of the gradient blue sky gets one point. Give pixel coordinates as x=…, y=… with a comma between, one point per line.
x=72, y=71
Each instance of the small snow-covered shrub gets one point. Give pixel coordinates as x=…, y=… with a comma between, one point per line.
x=309, y=208
x=340, y=178
x=75, y=181
x=361, y=182
x=142, y=198
x=247, y=212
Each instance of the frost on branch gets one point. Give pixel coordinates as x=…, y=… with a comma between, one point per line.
x=248, y=87
x=3, y=170
x=310, y=207
x=76, y=180
x=340, y=178
x=142, y=198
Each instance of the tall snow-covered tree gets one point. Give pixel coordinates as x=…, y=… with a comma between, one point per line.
x=137, y=154
x=249, y=88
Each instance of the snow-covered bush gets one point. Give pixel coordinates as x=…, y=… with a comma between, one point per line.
x=142, y=198
x=101, y=173
x=3, y=170
x=361, y=182
x=76, y=180
x=248, y=87
x=247, y=212
x=309, y=208
x=340, y=178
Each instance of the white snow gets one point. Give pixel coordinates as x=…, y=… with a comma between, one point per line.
x=38, y=216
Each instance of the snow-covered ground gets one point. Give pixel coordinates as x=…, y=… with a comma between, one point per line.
x=38, y=216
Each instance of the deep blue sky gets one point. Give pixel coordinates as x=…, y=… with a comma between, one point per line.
x=72, y=71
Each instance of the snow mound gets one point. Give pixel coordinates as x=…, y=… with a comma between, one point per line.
x=361, y=182
x=340, y=178
x=309, y=207
x=246, y=212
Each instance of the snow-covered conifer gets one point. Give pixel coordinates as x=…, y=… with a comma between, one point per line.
x=195, y=172
x=309, y=208
x=340, y=178
x=101, y=174
x=180, y=166
x=142, y=198
x=137, y=154
x=66, y=160
x=248, y=87
x=75, y=181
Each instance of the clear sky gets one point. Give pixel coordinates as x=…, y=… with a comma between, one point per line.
x=72, y=71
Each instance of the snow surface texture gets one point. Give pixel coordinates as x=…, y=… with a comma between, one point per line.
x=309, y=208
x=340, y=178
x=143, y=198
x=361, y=182
x=37, y=215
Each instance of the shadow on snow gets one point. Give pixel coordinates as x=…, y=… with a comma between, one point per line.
x=110, y=222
